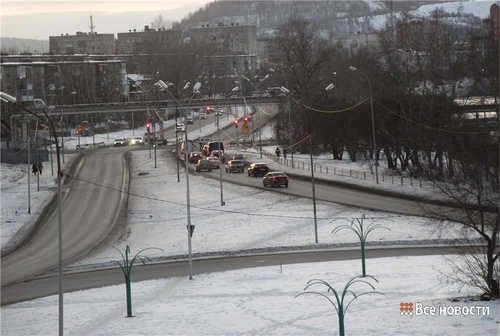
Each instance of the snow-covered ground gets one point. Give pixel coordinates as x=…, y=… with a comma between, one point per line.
x=245, y=302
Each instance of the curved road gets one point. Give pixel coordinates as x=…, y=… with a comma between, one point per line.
x=89, y=212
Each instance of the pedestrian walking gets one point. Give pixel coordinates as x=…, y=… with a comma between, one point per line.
x=277, y=152
x=40, y=167
x=284, y=153
x=34, y=169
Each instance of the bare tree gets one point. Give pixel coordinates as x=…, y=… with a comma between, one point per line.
x=478, y=225
x=161, y=23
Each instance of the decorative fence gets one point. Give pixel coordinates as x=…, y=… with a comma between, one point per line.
x=356, y=174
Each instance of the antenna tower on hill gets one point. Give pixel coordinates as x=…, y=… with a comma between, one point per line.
x=91, y=24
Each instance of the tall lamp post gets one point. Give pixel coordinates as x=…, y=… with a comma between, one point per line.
x=258, y=108
x=373, y=120
x=190, y=228
x=41, y=105
x=61, y=122
x=289, y=115
x=287, y=92
x=107, y=118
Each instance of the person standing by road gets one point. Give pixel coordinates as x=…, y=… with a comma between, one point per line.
x=277, y=152
x=40, y=167
x=34, y=169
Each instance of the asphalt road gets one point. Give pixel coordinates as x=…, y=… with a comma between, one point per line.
x=89, y=212
x=45, y=286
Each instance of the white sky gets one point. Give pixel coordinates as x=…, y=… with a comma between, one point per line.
x=256, y=301
x=39, y=19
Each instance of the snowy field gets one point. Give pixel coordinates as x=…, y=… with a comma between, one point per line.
x=245, y=302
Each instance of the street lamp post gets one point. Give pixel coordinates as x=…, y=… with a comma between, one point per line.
x=289, y=107
x=107, y=118
x=258, y=109
x=190, y=227
x=373, y=120
x=13, y=100
x=61, y=122
x=287, y=92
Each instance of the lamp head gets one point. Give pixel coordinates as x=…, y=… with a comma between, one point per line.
x=39, y=103
x=353, y=68
x=284, y=89
x=329, y=87
x=7, y=97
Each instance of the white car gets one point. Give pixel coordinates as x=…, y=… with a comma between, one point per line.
x=120, y=142
x=137, y=141
x=203, y=115
x=214, y=161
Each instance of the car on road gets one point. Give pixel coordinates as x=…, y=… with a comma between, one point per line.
x=203, y=115
x=189, y=120
x=203, y=164
x=219, y=111
x=137, y=141
x=214, y=161
x=234, y=166
x=194, y=157
x=180, y=128
x=120, y=142
x=257, y=169
x=275, y=179
x=218, y=154
x=242, y=158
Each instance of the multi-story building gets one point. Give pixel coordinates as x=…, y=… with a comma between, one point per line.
x=233, y=39
x=82, y=43
x=149, y=40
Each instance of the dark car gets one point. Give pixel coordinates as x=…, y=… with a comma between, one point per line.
x=257, y=169
x=235, y=166
x=203, y=164
x=194, y=157
x=275, y=179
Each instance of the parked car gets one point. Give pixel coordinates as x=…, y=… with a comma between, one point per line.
x=137, y=141
x=256, y=169
x=194, y=157
x=203, y=164
x=235, y=166
x=120, y=142
x=203, y=115
x=275, y=179
x=214, y=161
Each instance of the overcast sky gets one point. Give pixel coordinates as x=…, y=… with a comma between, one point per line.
x=39, y=19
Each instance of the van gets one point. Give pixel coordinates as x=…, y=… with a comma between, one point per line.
x=213, y=145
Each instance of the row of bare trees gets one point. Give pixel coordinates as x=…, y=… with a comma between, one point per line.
x=414, y=79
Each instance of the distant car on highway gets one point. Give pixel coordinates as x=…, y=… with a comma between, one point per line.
x=242, y=158
x=203, y=164
x=137, y=141
x=235, y=166
x=257, y=169
x=120, y=142
x=194, y=157
x=275, y=179
x=203, y=115
x=214, y=161
x=189, y=120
